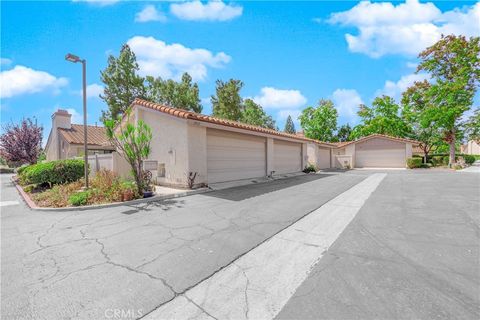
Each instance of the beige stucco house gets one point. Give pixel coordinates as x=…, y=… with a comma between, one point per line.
x=374, y=151
x=219, y=150
x=472, y=147
x=66, y=139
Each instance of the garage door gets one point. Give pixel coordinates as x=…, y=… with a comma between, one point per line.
x=232, y=156
x=287, y=157
x=380, y=153
x=323, y=158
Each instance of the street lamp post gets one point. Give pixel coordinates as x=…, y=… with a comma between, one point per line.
x=73, y=58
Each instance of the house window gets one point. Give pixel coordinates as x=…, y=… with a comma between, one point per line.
x=161, y=170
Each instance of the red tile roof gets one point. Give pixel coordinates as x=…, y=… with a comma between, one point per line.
x=180, y=113
x=95, y=135
x=375, y=135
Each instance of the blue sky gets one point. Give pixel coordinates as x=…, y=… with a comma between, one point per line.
x=289, y=54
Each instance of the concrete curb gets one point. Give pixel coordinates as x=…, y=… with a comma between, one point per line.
x=33, y=206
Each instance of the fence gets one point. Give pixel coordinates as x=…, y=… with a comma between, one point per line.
x=111, y=161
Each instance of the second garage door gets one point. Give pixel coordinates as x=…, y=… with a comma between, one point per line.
x=323, y=158
x=380, y=153
x=287, y=157
x=234, y=156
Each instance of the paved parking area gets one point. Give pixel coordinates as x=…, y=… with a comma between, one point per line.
x=87, y=264
x=412, y=251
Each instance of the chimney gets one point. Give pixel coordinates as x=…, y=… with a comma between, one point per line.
x=61, y=119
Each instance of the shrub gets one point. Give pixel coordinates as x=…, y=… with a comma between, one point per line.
x=21, y=169
x=79, y=198
x=53, y=172
x=58, y=195
x=310, y=168
x=469, y=159
x=414, y=163
x=438, y=161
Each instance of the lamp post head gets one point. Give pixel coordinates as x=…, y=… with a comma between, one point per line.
x=72, y=58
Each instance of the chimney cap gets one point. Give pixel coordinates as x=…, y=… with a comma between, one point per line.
x=61, y=112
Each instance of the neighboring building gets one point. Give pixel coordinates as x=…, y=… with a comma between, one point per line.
x=472, y=147
x=66, y=139
x=373, y=151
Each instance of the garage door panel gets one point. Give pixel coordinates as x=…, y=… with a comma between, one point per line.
x=323, y=158
x=287, y=157
x=232, y=156
x=380, y=153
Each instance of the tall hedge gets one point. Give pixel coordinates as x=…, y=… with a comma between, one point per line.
x=53, y=172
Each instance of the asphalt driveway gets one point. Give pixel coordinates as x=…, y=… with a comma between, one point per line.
x=412, y=251
x=90, y=264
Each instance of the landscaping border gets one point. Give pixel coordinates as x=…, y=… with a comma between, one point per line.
x=32, y=205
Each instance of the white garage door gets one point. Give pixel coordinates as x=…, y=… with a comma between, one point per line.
x=380, y=153
x=323, y=158
x=287, y=157
x=233, y=156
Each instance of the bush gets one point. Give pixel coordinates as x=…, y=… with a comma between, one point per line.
x=438, y=161
x=414, y=163
x=469, y=159
x=53, y=172
x=310, y=168
x=79, y=198
x=21, y=169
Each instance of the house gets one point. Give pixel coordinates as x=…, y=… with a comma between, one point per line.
x=220, y=150
x=66, y=139
x=472, y=147
x=373, y=151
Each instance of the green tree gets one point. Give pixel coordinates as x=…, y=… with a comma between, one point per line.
x=254, y=114
x=415, y=103
x=122, y=83
x=343, y=133
x=472, y=126
x=289, y=126
x=454, y=66
x=183, y=94
x=321, y=122
x=382, y=118
x=227, y=103
x=133, y=142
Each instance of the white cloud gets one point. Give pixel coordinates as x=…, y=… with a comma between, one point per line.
x=93, y=90
x=406, y=28
x=150, y=13
x=280, y=99
x=101, y=3
x=211, y=11
x=23, y=80
x=347, y=102
x=395, y=89
x=157, y=58
x=5, y=61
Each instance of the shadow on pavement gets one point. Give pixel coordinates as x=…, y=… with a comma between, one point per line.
x=164, y=205
x=244, y=192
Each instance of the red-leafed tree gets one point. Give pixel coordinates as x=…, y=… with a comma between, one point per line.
x=21, y=143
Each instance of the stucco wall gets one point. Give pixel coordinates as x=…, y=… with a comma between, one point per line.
x=197, y=152
x=169, y=145
x=473, y=147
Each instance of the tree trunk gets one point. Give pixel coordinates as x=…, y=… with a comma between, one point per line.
x=425, y=156
x=452, y=153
